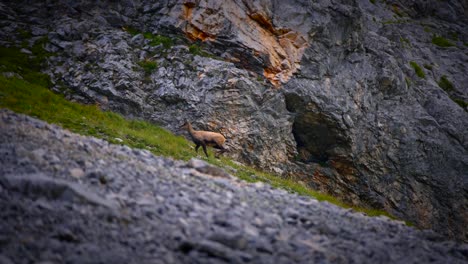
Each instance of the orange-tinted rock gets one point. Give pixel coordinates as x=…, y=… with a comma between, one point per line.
x=251, y=28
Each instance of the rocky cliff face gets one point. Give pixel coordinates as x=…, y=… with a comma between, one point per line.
x=353, y=97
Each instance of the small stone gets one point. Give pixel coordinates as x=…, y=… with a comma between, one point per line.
x=65, y=235
x=5, y=260
x=232, y=240
x=138, y=39
x=214, y=249
x=76, y=172
x=259, y=185
x=11, y=75
x=208, y=169
x=26, y=51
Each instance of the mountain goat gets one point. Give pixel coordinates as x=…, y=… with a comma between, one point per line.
x=205, y=138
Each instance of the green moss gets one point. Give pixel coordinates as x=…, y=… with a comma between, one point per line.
x=419, y=71
x=448, y=86
x=408, y=82
x=156, y=40
x=441, y=42
x=453, y=35
x=27, y=66
x=427, y=29
x=405, y=42
x=148, y=65
x=197, y=50
x=461, y=103
x=24, y=34
x=396, y=9
x=372, y=1
x=445, y=84
x=428, y=66
x=132, y=31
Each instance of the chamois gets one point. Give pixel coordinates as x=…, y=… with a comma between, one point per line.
x=205, y=138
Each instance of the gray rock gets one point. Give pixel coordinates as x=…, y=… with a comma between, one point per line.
x=5, y=260
x=138, y=39
x=26, y=51
x=76, y=172
x=351, y=116
x=208, y=169
x=39, y=185
x=11, y=75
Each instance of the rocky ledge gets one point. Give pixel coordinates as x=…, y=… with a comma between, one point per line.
x=66, y=198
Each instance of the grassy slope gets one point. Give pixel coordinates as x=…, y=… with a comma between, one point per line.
x=31, y=96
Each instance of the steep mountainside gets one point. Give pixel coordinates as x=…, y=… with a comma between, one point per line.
x=366, y=100
x=66, y=198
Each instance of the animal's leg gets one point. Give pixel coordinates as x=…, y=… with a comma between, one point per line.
x=204, y=149
x=196, y=148
x=221, y=151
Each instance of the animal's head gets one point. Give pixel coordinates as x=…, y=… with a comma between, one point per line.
x=186, y=125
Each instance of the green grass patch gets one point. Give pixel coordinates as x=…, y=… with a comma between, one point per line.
x=155, y=40
x=372, y=1
x=35, y=100
x=131, y=30
x=461, y=103
x=445, y=84
x=28, y=66
x=32, y=98
x=195, y=49
x=408, y=81
x=148, y=65
x=441, y=42
x=453, y=35
x=24, y=34
x=396, y=9
x=405, y=42
x=419, y=71
x=428, y=66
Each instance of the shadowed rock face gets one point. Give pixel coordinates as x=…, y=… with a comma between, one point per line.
x=395, y=139
x=351, y=116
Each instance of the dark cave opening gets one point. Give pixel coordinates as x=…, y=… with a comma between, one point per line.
x=317, y=136
x=313, y=138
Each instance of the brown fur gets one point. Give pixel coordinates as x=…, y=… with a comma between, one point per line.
x=205, y=138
